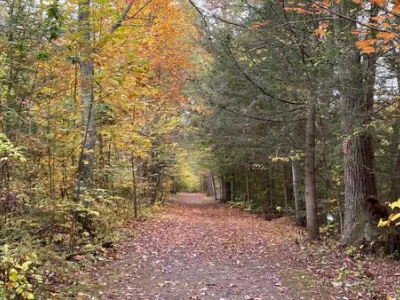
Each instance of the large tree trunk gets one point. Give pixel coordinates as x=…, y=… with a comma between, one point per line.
x=310, y=182
x=356, y=94
x=394, y=190
x=87, y=158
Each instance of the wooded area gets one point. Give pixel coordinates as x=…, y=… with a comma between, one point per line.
x=302, y=111
x=278, y=107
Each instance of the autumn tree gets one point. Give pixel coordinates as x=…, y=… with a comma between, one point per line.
x=90, y=105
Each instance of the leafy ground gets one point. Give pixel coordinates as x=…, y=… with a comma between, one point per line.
x=196, y=248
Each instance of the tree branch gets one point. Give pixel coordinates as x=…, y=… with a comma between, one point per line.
x=241, y=114
x=199, y=11
x=260, y=88
x=122, y=17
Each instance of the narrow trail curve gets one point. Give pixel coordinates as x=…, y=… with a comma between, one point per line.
x=199, y=249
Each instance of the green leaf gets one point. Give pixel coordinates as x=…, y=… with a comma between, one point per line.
x=13, y=275
x=26, y=265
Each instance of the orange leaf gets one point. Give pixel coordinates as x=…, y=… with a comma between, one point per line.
x=378, y=18
x=324, y=26
x=379, y=2
x=319, y=32
x=301, y=10
x=326, y=3
x=369, y=49
x=364, y=43
x=386, y=35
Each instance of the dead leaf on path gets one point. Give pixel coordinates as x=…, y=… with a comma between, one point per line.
x=337, y=284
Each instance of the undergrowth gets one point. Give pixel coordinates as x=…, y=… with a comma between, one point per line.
x=40, y=246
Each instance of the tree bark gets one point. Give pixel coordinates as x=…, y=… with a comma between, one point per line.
x=288, y=188
x=394, y=190
x=298, y=202
x=134, y=188
x=123, y=16
x=213, y=183
x=394, y=194
x=271, y=189
x=247, y=183
x=226, y=190
x=310, y=182
x=210, y=185
x=357, y=91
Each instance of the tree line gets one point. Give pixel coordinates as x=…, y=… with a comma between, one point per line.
x=300, y=111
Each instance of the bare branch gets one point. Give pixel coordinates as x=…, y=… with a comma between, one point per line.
x=199, y=11
x=124, y=15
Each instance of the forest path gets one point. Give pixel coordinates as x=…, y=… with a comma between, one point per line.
x=197, y=248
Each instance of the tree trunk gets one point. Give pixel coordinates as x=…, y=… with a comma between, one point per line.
x=213, y=183
x=394, y=190
x=394, y=193
x=288, y=191
x=357, y=91
x=271, y=189
x=226, y=190
x=210, y=185
x=310, y=183
x=233, y=189
x=134, y=187
x=298, y=201
x=247, y=185
x=87, y=158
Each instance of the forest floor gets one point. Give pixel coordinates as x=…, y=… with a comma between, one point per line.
x=197, y=248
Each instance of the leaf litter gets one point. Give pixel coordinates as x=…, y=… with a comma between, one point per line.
x=197, y=248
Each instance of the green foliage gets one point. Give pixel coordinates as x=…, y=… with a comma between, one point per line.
x=54, y=21
x=19, y=276
x=187, y=172
x=330, y=230
x=8, y=151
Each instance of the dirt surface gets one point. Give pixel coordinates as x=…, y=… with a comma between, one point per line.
x=197, y=248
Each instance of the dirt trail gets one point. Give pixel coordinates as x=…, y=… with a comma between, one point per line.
x=199, y=249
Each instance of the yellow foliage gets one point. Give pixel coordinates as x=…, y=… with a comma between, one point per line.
x=395, y=204
x=393, y=217
x=188, y=177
